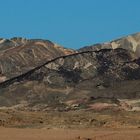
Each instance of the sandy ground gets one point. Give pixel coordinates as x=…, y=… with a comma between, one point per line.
x=68, y=134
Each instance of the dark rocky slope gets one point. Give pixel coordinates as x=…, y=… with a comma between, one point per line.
x=81, y=78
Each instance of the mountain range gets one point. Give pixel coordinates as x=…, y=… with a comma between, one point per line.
x=38, y=74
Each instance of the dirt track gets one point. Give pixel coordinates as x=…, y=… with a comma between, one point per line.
x=61, y=134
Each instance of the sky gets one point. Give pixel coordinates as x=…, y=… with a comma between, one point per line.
x=70, y=23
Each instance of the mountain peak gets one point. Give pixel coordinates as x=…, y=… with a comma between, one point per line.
x=130, y=42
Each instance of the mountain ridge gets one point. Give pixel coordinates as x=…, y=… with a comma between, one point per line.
x=79, y=77
x=18, y=59
x=130, y=42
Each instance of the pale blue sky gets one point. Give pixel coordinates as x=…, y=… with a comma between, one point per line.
x=71, y=23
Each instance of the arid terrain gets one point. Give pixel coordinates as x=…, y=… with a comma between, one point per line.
x=48, y=92
x=73, y=125
x=68, y=134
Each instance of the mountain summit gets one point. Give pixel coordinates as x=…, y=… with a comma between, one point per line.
x=19, y=55
x=131, y=43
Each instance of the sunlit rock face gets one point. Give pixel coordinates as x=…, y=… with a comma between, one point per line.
x=131, y=42
x=18, y=55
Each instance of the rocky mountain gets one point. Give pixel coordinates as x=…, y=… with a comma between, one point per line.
x=131, y=42
x=19, y=55
x=95, y=77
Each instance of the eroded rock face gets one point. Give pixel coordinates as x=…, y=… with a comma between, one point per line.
x=131, y=42
x=108, y=73
x=19, y=55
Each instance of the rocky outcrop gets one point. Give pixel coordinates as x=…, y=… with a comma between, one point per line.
x=131, y=43
x=19, y=55
x=77, y=76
